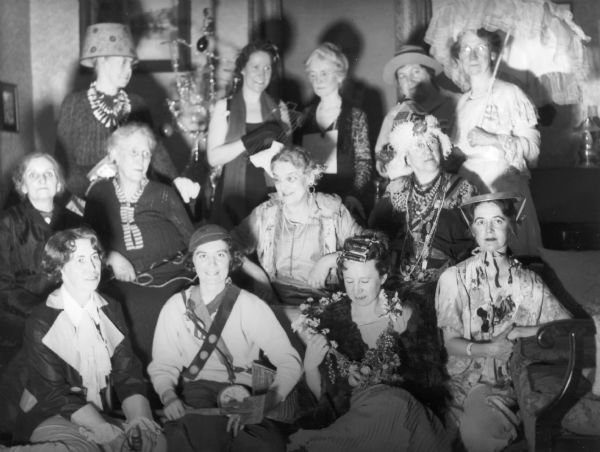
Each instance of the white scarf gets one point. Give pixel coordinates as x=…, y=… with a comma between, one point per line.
x=95, y=340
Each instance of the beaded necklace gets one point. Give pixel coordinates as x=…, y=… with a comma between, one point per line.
x=109, y=110
x=423, y=208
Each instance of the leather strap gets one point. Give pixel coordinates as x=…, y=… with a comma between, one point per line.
x=212, y=337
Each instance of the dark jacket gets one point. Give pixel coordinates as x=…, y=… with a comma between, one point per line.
x=56, y=385
x=23, y=234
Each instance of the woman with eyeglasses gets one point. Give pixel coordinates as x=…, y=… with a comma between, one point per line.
x=483, y=305
x=495, y=130
x=244, y=130
x=144, y=227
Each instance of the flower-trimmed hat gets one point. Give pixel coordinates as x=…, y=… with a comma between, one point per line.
x=107, y=39
x=405, y=134
x=409, y=55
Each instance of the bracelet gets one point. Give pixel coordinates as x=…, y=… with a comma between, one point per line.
x=469, y=347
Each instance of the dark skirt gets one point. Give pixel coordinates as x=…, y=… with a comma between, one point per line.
x=194, y=432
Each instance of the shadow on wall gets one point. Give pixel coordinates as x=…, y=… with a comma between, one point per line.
x=359, y=92
x=281, y=32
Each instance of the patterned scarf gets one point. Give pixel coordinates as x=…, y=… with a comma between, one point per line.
x=131, y=233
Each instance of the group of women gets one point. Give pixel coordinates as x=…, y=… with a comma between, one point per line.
x=289, y=219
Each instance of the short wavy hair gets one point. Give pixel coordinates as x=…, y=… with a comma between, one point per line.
x=299, y=158
x=125, y=131
x=331, y=53
x=374, y=245
x=60, y=248
x=21, y=169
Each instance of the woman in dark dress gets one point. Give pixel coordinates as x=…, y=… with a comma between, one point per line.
x=24, y=230
x=420, y=211
x=335, y=133
x=241, y=136
x=144, y=227
x=372, y=362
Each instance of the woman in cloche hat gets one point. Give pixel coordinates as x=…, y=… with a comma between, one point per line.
x=87, y=118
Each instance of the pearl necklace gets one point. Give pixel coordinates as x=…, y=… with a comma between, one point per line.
x=109, y=110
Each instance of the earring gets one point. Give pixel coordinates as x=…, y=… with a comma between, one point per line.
x=311, y=188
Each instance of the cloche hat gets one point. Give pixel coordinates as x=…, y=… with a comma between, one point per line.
x=409, y=54
x=107, y=39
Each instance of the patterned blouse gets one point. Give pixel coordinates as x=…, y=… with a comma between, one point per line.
x=465, y=308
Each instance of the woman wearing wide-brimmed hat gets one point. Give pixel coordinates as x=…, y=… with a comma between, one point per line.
x=413, y=73
x=87, y=118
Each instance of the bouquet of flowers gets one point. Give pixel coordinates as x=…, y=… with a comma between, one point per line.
x=380, y=364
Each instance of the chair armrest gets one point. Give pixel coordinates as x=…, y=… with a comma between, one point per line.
x=576, y=328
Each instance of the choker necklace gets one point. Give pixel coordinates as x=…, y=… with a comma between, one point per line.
x=109, y=110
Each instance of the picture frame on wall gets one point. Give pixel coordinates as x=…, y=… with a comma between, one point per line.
x=9, y=113
x=154, y=25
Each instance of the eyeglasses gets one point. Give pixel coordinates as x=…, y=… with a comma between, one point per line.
x=135, y=153
x=479, y=51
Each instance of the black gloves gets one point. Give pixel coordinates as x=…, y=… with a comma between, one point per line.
x=262, y=137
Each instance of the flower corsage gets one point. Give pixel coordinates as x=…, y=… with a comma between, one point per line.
x=331, y=317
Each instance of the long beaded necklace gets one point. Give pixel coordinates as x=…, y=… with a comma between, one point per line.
x=424, y=205
x=109, y=110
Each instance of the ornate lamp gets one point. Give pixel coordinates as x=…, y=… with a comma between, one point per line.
x=589, y=128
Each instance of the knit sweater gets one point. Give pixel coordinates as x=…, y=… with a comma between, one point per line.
x=163, y=222
x=81, y=140
x=251, y=327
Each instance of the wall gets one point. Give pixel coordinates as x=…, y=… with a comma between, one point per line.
x=15, y=58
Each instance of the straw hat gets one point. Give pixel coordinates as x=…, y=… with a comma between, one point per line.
x=106, y=39
x=409, y=55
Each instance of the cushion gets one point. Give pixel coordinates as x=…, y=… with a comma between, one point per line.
x=579, y=274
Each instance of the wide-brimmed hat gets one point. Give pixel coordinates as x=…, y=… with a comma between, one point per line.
x=409, y=54
x=207, y=233
x=518, y=200
x=106, y=39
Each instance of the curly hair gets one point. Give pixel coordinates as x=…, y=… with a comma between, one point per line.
x=256, y=46
x=21, y=169
x=331, y=53
x=378, y=248
x=60, y=248
x=298, y=157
